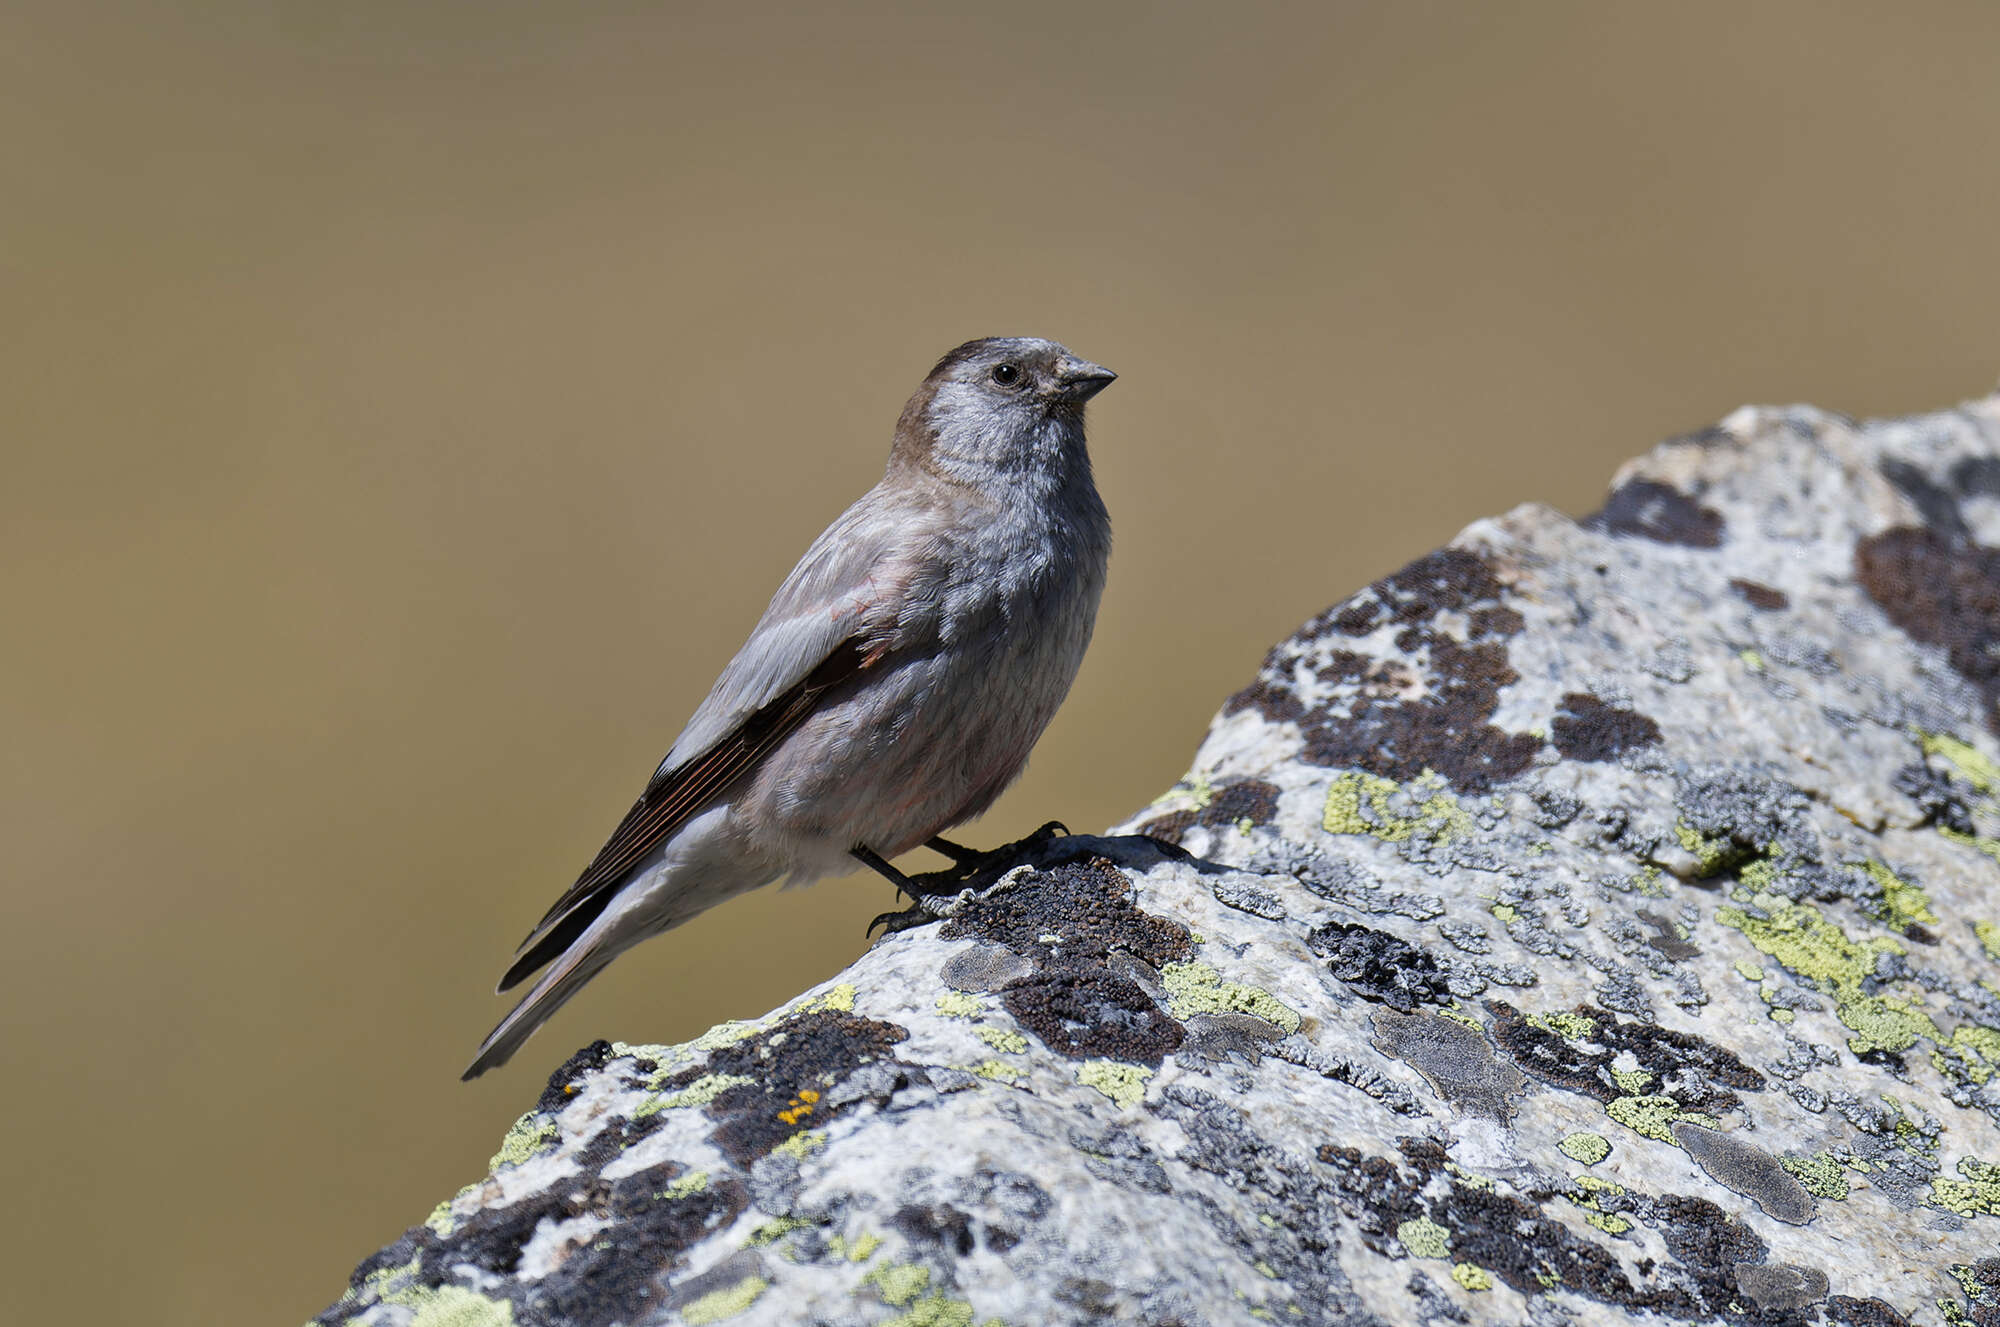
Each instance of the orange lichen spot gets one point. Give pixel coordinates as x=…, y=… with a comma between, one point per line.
x=802, y=1106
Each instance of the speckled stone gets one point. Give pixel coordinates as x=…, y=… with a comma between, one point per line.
x=1676, y=828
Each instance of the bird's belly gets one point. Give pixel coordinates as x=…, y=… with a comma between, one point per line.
x=914, y=751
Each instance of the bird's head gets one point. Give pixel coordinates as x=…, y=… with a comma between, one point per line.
x=1002, y=405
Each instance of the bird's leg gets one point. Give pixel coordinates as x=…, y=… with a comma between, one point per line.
x=862, y=853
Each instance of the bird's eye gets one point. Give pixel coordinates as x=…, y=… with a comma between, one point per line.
x=1006, y=374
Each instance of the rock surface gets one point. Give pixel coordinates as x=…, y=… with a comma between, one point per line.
x=1591, y=922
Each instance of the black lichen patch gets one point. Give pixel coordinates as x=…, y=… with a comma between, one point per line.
x=807, y=1053
x=603, y=1282
x=1761, y=596
x=1445, y=729
x=1380, y=967
x=1846, y=1311
x=1076, y=923
x=1516, y=1241
x=599, y=1282
x=1698, y=1074
x=1645, y=509
x=1230, y=804
x=1942, y=591
x=1087, y=906
x=1937, y=797
x=1427, y=707
x=1937, y=504
x=1091, y=1012
x=565, y=1082
x=1589, y=729
x=939, y=1225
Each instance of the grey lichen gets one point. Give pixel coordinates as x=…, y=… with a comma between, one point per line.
x=1593, y=921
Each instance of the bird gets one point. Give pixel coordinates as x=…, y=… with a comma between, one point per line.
x=892, y=689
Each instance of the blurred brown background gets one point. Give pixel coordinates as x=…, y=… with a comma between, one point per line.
x=408, y=408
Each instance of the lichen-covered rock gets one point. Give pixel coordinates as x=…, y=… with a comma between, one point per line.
x=1591, y=922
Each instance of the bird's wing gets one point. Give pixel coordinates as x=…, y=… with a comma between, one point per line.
x=835, y=616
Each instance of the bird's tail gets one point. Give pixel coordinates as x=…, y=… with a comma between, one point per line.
x=566, y=976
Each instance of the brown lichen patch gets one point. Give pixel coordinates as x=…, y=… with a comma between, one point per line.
x=1749, y=1170
x=1760, y=596
x=1080, y=910
x=1942, y=591
x=1230, y=804
x=1589, y=729
x=1088, y=1013
x=1456, y=1060
x=1646, y=509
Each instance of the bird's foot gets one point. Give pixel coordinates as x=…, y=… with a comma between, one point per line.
x=971, y=868
x=936, y=894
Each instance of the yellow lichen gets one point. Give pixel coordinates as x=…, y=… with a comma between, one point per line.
x=957, y=1004
x=1000, y=1039
x=1125, y=1084
x=720, y=1305
x=524, y=1140
x=1195, y=988
x=1471, y=1276
x=1424, y=1238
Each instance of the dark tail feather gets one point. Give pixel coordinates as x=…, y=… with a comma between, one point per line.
x=558, y=938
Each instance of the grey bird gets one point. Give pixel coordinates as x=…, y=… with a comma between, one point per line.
x=893, y=688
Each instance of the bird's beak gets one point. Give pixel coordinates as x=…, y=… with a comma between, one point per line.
x=1082, y=379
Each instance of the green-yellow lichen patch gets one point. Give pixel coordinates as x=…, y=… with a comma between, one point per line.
x=527, y=1137
x=937, y=1311
x=1195, y=988
x=998, y=1070
x=1569, y=1026
x=1424, y=1238
x=802, y=1144
x=1125, y=1084
x=1585, y=1148
x=1972, y=1055
x=1811, y=947
x=686, y=1186
x=1506, y=912
x=1821, y=1174
x=1903, y=904
x=957, y=1004
x=1471, y=1276
x=721, y=1305
x=1988, y=935
x=899, y=1283
x=726, y=1034
x=1749, y=971
x=1365, y=804
x=698, y=1093
x=837, y=999
x=1631, y=1081
x=1654, y=1117
x=859, y=1249
x=1978, y=1194
x=1000, y=1039
x=454, y=1306
x=1712, y=856
x=774, y=1230
x=1978, y=771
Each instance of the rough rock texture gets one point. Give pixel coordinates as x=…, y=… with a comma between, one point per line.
x=1591, y=922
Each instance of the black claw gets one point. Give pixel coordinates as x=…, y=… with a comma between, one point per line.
x=895, y=923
